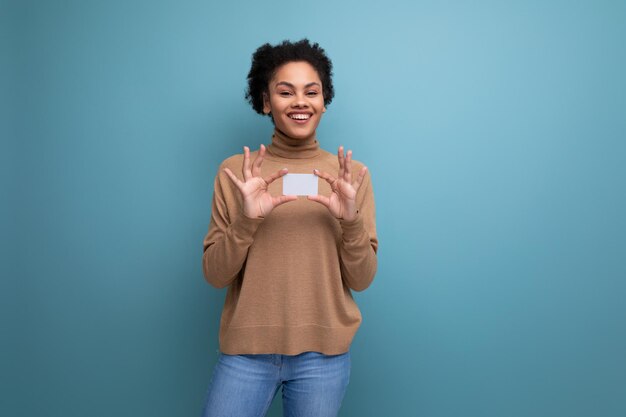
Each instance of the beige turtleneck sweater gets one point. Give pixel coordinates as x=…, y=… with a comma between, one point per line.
x=290, y=274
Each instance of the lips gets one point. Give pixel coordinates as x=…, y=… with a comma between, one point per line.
x=300, y=118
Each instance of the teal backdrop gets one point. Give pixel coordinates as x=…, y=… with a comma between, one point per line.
x=495, y=133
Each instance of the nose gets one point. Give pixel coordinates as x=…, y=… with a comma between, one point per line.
x=300, y=100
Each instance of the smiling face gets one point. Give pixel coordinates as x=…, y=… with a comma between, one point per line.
x=295, y=99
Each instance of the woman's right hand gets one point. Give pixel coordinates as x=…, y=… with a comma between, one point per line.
x=257, y=201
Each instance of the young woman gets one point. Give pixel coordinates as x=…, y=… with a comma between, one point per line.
x=289, y=262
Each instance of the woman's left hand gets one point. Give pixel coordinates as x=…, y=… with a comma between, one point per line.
x=342, y=201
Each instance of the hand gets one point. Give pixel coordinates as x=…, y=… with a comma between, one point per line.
x=257, y=201
x=342, y=201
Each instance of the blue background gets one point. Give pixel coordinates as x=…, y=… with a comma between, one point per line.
x=495, y=134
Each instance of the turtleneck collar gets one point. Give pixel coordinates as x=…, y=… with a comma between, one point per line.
x=287, y=147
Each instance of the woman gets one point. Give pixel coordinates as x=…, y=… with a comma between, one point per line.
x=289, y=263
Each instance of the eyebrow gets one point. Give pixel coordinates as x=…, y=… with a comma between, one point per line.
x=293, y=86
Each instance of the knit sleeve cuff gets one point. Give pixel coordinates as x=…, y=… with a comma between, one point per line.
x=352, y=229
x=244, y=227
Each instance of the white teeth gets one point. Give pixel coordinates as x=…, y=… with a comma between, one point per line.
x=300, y=116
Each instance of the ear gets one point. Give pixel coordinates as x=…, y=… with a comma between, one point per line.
x=324, y=109
x=267, y=108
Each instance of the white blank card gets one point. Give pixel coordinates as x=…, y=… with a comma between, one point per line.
x=300, y=184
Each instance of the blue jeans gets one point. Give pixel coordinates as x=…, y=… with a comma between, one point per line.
x=245, y=385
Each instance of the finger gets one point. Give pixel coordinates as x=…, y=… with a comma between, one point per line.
x=359, y=179
x=348, y=168
x=320, y=199
x=341, y=160
x=277, y=201
x=247, y=174
x=329, y=178
x=256, y=166
x=233, y=178
x=270, y=178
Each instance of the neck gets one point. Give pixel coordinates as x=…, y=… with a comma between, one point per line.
x=294, y=148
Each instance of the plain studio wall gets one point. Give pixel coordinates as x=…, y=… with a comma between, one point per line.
x=495, y=133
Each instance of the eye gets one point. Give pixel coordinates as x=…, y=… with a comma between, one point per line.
x=312, y=93
x=285, y=93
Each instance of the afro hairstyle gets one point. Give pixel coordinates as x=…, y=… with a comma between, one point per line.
x=267, y=59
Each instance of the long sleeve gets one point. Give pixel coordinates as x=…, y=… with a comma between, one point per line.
x=359, y=243
x=230, y=234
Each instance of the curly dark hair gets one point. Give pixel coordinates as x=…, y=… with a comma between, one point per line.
x=267, y=59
